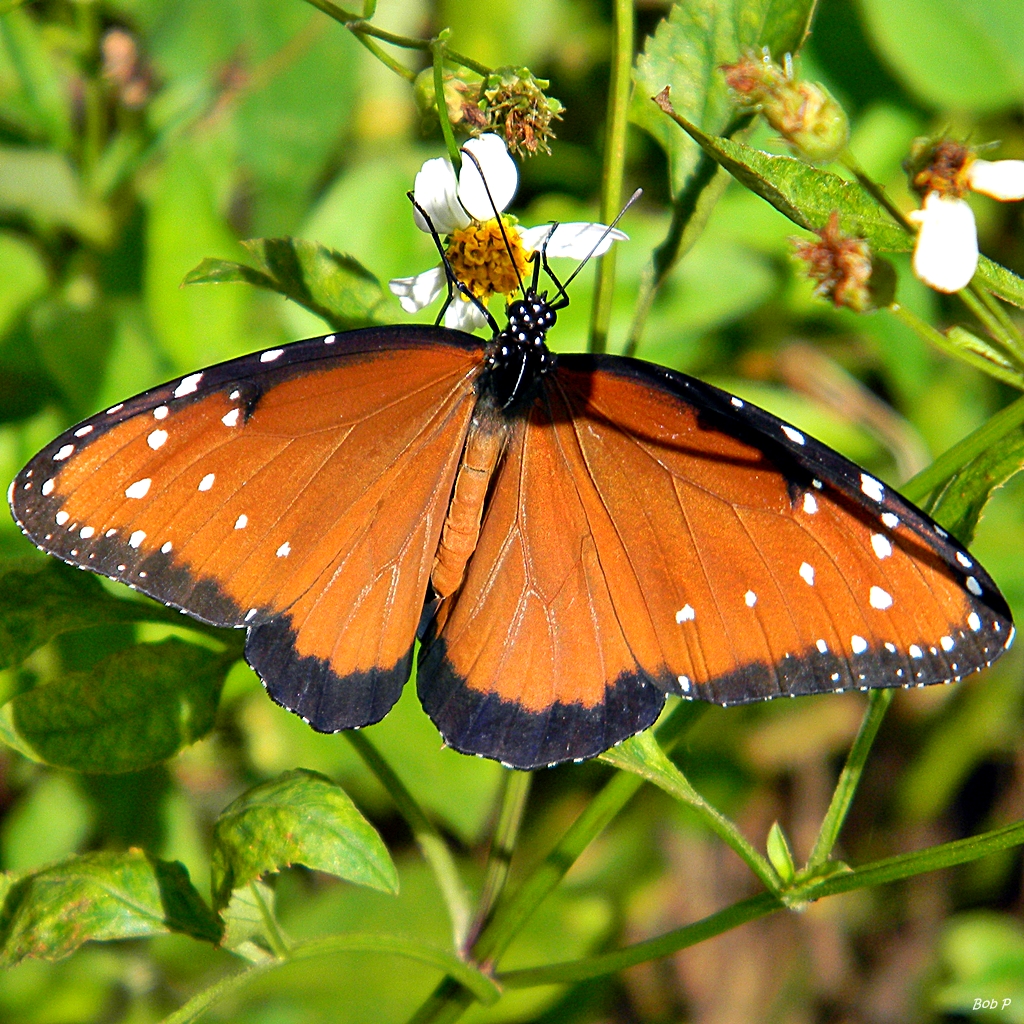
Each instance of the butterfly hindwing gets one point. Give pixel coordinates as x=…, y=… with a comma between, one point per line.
x=648, y=534
x=299, y=492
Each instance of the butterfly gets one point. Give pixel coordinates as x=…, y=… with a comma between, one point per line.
x=573, y=538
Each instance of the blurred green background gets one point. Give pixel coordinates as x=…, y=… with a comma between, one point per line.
x=139, y=136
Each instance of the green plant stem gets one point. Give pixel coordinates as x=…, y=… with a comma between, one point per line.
x=384, y=57
x=954, y=459
x=432, y=845
x=888, y=870
x=873, y=189
x=973, y=297
x=477, y=984
x=437, y=52
x=279, y=945
x=94, y=120
x=614, y=168
x=849, y=778
x=933, y=336
x=994, y=307
x=450, y=999
x=514, y=795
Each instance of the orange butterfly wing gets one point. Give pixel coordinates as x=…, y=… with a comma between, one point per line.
x=647, y=534
x=299, y=492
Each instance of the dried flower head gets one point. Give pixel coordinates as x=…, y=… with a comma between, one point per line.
x=843, y=268
x=517, y=108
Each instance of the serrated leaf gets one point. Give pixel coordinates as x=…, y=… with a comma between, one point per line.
x=48, y=914
x=40, y=600
x=961, y=502
x=807, y=195
x=331, y=284
x=133, y=709
x=686, y=52
x=245, y=923
x=301, y=817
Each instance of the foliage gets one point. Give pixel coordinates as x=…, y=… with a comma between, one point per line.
x=376, y=876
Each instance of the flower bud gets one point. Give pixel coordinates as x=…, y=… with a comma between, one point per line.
x=939, y=165
x=461, y=96
x=805, y=114
x=517, y=108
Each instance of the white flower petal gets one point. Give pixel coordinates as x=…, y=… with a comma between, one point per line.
x=463, y=315
x=1000, y=179
x=416, y=292
x=436, y=191
x=499, y=171
x=946, y=252
x=576, y=239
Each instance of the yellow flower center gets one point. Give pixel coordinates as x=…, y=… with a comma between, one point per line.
x=480, y=260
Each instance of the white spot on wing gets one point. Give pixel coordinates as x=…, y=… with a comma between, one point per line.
x=684, y=683
x=82, y=431
x=86, y=532
x=879, y=598
x=284, y=550
x=270, y=355
x=136, y=538
x=738, y=402
x=871, y=487
x=139, y=489
x=750, y=598
x=329, y=340
x=48, y=487
x=188, y=385
x=110, y=532
x=62, y=517
x=156, y=439
x=207, y=482
x=946, y=643
x=250, y=614
x=881, y=545
x=858, y=644
x=974, y=622
x=685, y=614
x=891, y=648
x=160, y=412
x=964, y=560
x=810, y=504
x=940, y=531
x=794, y=435
x=974, y=586
x=115, y=408
x=915, y=651
x=230, y=419
x=167, y=547
x=807, y=573
x=242, y=522
x=64, y=452
x=822, y=646
x=890, y=520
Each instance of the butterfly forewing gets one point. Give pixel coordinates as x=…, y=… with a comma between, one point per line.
x=651, y=534
x=299, y=492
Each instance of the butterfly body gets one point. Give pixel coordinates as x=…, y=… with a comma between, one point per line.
x=573, y=538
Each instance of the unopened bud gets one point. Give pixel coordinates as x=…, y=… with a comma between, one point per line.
x=517, y=108
x=805, y=114
x=939, y=165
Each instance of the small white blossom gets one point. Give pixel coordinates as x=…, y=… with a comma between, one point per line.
x=460, y=207
x=1000, y=179
x=946, y=251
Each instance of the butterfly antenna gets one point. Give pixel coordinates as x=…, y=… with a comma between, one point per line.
x=597, y=245
x=453, y=282
x=497, y=217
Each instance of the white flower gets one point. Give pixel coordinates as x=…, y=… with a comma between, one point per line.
x=461, y=210
x=946, y=251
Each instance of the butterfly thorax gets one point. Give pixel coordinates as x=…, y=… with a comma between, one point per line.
x=518, y=357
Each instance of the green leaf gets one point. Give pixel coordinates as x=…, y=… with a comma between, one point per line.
x=1000, y=281
x=300, y=817
x=40, y=600
x=960, y=503
x=133, y=709
x=807, y=195
x=686, y=53
x=42, y=185
x=952, y=54
x=331, y=284
x=99, y=896
x=245, y=922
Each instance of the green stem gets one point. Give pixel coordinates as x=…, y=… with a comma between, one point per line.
x=996, y=309
x=891, y=869
x=94, y=121
x=384, y=57
x=873, y=189
x=614, y=168
x=279, y=945
x=973, y=298
x=954, y=459
x=849, y=779
x=438, y=52
x=477, y=984
x=514, y=795
x=432, y=845
x=924, y=330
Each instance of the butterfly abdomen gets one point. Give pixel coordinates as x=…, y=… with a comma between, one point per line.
x=481, y=454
